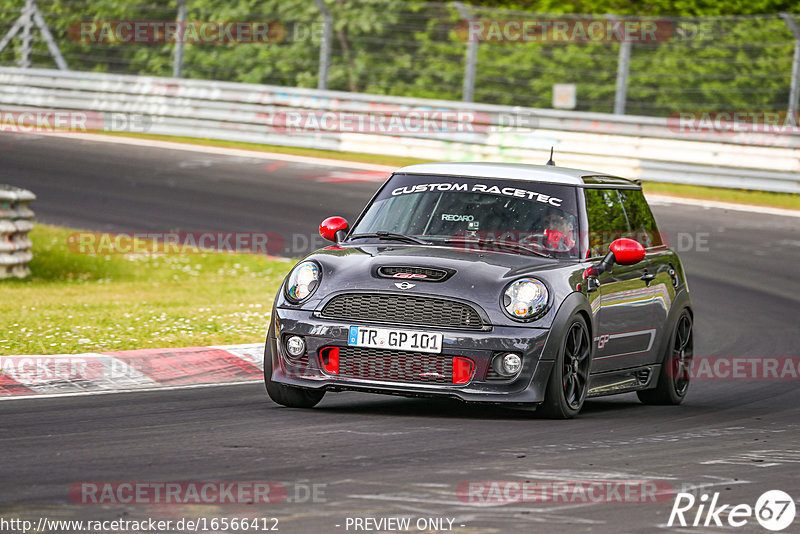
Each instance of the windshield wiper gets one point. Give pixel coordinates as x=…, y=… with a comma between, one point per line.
x=520, y=246
x=498, y=243
x=391, y=236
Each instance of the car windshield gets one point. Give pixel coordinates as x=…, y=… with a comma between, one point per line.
x=479, y=213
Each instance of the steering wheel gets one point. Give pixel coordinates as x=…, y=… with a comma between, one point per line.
x=557, y=241
x=532, y=240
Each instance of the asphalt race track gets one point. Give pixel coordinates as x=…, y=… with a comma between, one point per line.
x=383, y=456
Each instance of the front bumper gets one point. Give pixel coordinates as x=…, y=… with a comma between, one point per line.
x=479, y=346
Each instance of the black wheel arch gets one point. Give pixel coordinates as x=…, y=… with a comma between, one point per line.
x=270, y=342
x=574, y=303
x=679, y=303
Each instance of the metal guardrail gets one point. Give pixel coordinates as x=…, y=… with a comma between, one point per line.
x=15, y=223
x=646, y=148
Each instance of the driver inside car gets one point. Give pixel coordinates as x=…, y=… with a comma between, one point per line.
x=559, y=231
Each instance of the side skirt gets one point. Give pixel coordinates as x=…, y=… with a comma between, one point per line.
x=624, y=381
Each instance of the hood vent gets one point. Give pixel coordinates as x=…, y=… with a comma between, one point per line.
x=423, y=274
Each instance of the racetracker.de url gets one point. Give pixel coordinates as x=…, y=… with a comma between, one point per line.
x=133, y=526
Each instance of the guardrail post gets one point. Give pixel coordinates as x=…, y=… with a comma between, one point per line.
x=325, y=45
x=794, y=91
x=177, y=61
x=623, y=68
x=15, y=223
x=27, y=35
x=48, y=39
x=471, y=60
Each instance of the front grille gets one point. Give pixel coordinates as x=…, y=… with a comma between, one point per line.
x=426, y=274
x=402, y=309
x=395, y=365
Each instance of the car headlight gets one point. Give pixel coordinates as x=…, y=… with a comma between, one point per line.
x=303, y=281
x=525, y=299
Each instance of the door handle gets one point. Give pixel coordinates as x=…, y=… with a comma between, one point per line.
x=592, y=284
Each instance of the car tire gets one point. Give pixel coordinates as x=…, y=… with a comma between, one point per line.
x=290, y=396
x=673, y=381
x=566, y=389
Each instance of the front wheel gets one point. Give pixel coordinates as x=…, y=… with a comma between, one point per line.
x=673, y=382
x=290, y=396
x=566, y=389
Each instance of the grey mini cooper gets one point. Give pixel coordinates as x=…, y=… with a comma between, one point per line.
x=517, y=285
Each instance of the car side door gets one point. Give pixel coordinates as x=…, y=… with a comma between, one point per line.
x=659, y=273
x=625, y=317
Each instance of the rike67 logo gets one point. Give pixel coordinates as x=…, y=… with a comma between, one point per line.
x=774, y=510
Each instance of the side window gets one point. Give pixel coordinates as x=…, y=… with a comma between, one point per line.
x=607, y=220
x=643, y=225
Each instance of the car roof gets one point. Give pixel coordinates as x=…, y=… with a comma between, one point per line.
x=519, y=171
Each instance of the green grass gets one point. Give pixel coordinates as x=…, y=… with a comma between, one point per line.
x=90, y=303
x=739, y=196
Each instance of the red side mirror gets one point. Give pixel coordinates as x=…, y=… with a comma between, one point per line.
x=627, y=251
x=331, y=226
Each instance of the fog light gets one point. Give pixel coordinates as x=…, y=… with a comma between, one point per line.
x=511, y=364
x=295, y=346
x=507, y=364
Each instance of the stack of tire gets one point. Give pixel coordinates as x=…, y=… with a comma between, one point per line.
x=15, y=223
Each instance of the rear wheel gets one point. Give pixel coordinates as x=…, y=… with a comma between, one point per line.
x=673, y=382
x=566, y=389
x=290, y=396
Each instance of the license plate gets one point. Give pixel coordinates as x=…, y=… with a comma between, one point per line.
x=390, y=338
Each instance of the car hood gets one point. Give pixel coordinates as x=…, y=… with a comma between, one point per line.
x=479, y=277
